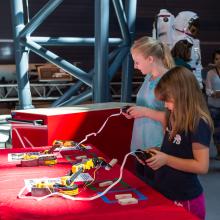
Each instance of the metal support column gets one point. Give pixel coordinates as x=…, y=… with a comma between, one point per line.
x=101, y=82
x=127, y=66
x=98, y=79
x=21, y=56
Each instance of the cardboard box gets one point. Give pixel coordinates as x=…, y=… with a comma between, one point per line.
x=50, y=72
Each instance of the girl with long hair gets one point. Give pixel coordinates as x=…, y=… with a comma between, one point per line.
x=184, y=152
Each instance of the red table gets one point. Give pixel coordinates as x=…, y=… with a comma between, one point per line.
x=152, y=205
x=74, y=123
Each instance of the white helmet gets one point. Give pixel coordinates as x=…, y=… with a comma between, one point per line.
x=163, y=27
x=184, y=20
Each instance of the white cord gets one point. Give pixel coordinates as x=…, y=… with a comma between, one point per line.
x=41, y=127
x=20, y=194
x=19, y=137
x=88, y=135
x=32, y=146
x=94, y=134
x=80, y=198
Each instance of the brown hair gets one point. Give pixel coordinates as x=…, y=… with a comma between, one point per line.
x=214, y=54
x=180, y=85
x=182, y=49
x=148, y=46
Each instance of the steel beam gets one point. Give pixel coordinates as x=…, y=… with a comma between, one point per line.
x=71, y=91
x=84, y=96
x=41, y=15
x=102, y=74
x=101, y=82
x=60, y=62
x=119, y=10
x=21, y=56
x=117, y=62
x=127, y=66
x=72, y=41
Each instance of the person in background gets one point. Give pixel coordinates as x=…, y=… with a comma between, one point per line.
x=181, y=53
x=184, y=152
x=153, y=59
x=213, y=93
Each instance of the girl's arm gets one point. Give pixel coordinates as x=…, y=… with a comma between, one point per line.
x=139, y=111
x=208, y=84
x=198, y=165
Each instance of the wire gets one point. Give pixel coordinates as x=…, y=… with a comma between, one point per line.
x=94, y=177
x=88, y=198
x=18, y=125
x=20, y=194
x=93, y=133
x=100, y=129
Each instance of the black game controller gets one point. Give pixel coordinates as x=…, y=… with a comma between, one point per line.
x=143, y=155
x=125, y=108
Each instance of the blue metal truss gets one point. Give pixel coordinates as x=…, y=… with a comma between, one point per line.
x=105, y=64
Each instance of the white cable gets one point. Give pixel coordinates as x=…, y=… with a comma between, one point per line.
x=94, y=134
x=19, y=137
x=32, y=146
x=79, y=198
x=88, y=135
x=22, y=142
x=20, y=194
x=26, y=126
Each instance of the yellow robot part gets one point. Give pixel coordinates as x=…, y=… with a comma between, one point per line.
x=30, y=157
x=87, y=165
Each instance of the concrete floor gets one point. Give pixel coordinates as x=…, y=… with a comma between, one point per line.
x=211, y=185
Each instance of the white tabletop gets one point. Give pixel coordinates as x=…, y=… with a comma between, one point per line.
x=73, y=109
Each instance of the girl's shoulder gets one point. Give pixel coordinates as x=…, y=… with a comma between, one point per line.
x=211, y=72
x=203, y=122
x=203, y=132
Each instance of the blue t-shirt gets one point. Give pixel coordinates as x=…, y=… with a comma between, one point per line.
x=147, y=132
x=176, y=184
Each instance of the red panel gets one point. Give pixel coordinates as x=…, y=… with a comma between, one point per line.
x=115, y=136
x=114, y=140
x=29, y=135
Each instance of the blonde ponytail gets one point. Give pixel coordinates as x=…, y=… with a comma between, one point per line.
x=168, y=59
x=148, y=46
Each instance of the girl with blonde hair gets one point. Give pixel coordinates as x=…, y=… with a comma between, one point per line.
x=153, y=59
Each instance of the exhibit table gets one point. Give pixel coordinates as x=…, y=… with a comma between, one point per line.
x=151, y=204
x=74, y=123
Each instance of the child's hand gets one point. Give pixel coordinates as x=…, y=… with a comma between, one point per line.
x=154, y=148
x=136, y=111
x=158, y=160
x=127, y=115
x=140, y=161
x=143, y=155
